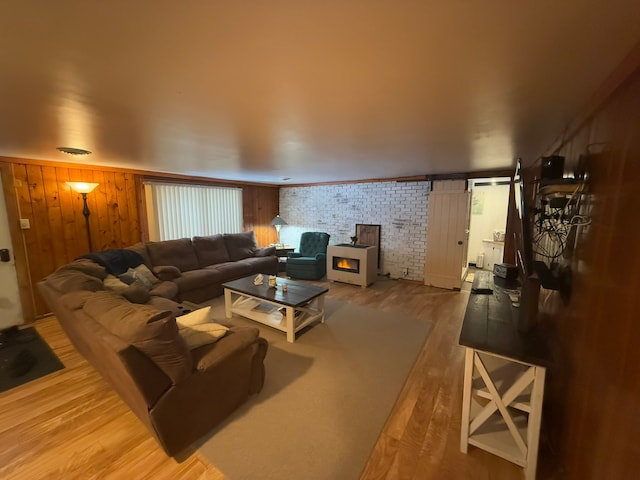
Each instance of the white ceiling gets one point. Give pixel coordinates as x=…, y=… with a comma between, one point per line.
x=307, y=90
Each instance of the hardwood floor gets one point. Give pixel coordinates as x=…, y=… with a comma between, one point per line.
x=71, y=425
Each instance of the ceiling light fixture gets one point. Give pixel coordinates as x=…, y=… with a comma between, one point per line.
x=73, y=150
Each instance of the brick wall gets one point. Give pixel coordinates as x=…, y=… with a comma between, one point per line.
x=399, y=207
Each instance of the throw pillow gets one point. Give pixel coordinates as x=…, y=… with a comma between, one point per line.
x=193, y=318
x=132, y=276
x=127, y=277
x=143, y=271
x=202, y=334
x=167, y=272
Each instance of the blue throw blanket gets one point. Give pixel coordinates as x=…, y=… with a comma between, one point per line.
x=117, y=260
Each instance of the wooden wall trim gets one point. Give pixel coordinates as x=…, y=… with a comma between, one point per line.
x=416, y=178
x=160, y=176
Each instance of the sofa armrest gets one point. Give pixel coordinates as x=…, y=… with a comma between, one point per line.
x=294, y=255
x=166, y=272
x=321, y=256
x=265, y=252
x=237, y=338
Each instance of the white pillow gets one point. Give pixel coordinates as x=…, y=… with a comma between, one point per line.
x=111, y=282
x=203, y=333
x=193, y=318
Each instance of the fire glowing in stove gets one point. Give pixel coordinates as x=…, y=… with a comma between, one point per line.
x=345, y=263
x=350, y=264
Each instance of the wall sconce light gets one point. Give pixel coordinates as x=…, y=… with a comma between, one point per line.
x=277, y=222
x=83, y=188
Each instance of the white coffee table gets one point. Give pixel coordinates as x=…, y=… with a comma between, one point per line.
x=303, y=304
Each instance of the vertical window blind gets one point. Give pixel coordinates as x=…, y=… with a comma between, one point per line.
x=179, y=211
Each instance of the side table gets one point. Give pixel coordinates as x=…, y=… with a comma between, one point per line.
x=281, y=252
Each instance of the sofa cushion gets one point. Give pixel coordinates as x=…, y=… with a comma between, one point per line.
x=197, y=279
x=65, y=281
x=230, y=270
x=164, y=289
x=152, y=331
x=210, y=355
x=141, y=249
x=210, y=250
x=75, y=300
x=262, y=264
x=136, y=294
x=265, y=251
x=166, y=272
x=161, y=342
x=240, y=245
x=179, y=253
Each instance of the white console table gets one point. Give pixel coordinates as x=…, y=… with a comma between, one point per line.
x=503, y=381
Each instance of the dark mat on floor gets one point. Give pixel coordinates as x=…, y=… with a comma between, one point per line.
x=24, y=356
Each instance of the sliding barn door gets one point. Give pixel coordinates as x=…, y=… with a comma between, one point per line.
x=447, y=234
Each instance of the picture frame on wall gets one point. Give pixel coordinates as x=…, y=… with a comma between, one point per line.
x=368, y=234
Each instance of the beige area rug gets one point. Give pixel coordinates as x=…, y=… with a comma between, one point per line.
x=326, y=397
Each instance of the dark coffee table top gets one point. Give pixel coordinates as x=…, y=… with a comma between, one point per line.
x=297, y=294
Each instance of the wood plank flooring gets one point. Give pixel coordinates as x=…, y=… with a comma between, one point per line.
x=71, y=425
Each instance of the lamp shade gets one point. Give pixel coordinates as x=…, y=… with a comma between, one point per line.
x=278, y=220
x=82, y=187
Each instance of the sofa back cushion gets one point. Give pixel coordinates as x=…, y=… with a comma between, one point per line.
x=141, y=249
x=240, y=245
x=154, y=332
x=210, y=250
x=179, y=253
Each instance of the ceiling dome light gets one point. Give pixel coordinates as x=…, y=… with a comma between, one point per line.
x=74, y=151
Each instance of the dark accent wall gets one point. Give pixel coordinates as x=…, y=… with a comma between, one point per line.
x=593, y=389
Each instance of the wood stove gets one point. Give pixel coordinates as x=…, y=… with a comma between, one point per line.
x=356, y=264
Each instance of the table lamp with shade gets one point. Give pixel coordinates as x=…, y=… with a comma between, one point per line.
x=277, y=222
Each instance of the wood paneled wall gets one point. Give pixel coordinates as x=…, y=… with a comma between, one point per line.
x=593, y=389
x=260, y=205
x=58, y=232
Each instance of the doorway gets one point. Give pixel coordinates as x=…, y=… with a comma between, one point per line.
x=447, y=234
x=488, y=221
x=10, y=302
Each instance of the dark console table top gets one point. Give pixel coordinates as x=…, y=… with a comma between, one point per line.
x=297, y=294
x=491, y=324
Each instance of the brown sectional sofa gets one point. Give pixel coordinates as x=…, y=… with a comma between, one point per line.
x=205, y=263
x=132, y=339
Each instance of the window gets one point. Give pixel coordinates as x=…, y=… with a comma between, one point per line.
x=179, y=211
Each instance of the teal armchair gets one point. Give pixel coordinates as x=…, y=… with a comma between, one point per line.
x=310, y=262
